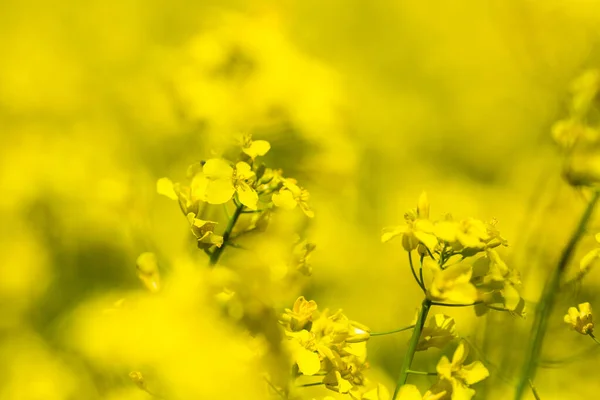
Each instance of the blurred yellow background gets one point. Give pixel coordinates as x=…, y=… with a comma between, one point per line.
x=366, y=103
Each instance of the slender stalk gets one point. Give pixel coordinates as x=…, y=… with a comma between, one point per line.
x=435, y=303
x=214, y=257
x=412, y=269
x=310, y=384
x=421, y=270
x=534, y=390
x=390, y=332
x=594, y=337
x=412, y=346
x=548, y=299
x=410, y=371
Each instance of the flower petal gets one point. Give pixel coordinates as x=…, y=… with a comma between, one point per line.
x=164, y=186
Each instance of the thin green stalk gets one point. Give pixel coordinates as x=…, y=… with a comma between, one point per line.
x=412, y=346
x=310, y=384
x=548, y=299
x=534, y=390
x=435, y=303
x=390, y=332
x=594, y=337
x=421, y=270
x=214, y=257
x=412, y=269
x=410, y=371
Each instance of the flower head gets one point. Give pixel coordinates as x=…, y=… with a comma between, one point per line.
x=253, y=148
x=418, y=228
x=291, y=195
x=580, y=320
x=456, y=378
x=219, y=181
x=440, y=330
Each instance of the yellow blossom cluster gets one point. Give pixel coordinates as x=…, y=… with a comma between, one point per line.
x=328, y=345
x=461, y=258
x=249, y=184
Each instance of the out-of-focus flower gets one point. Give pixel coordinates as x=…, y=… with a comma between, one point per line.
x=219, y=181
x=291, y=195
x=300, y=255
x=418, y=228
x=440, y=330
x=580, y=320
x=456, y=378
x=254, y=148
x=411, y=392
x=147, y=267
x=453, y=284
x=204, y=232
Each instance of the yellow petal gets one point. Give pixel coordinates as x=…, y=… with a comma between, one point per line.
x=247, y=195
x=164, y=186
x=474, y=372
x=308, y=361
x=284, y=199
x=217, y=168
x=391, y=232
x=460, y=354
x=243, y=170
x=409, y=392
x=423, y=206
x=218, y=191
x=257, y=148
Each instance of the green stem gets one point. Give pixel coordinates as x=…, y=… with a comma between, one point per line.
x=410, y=371
x=421, y=270
x=214, y=257
x=412, y=346
x=594, y=337
x=311, y=384
x=534, y=390
x=548, y=299
x=393, y=331
x=412, y=269
x=435, y=303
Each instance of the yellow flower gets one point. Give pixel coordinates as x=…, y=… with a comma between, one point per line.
x=300, y=314
x=410, y=392
x=453, y=284
x=204, y=232
x=440, y=330
x=580, y=320
x=455, y=378
x=147, y=268
x=176, y=191
x=292, y=195
x=254, y=148
x=219, y=181
x=418, y=228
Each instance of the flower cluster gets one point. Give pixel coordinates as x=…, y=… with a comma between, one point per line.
x=329, y=345
x=462, y=259
x=248, y=183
